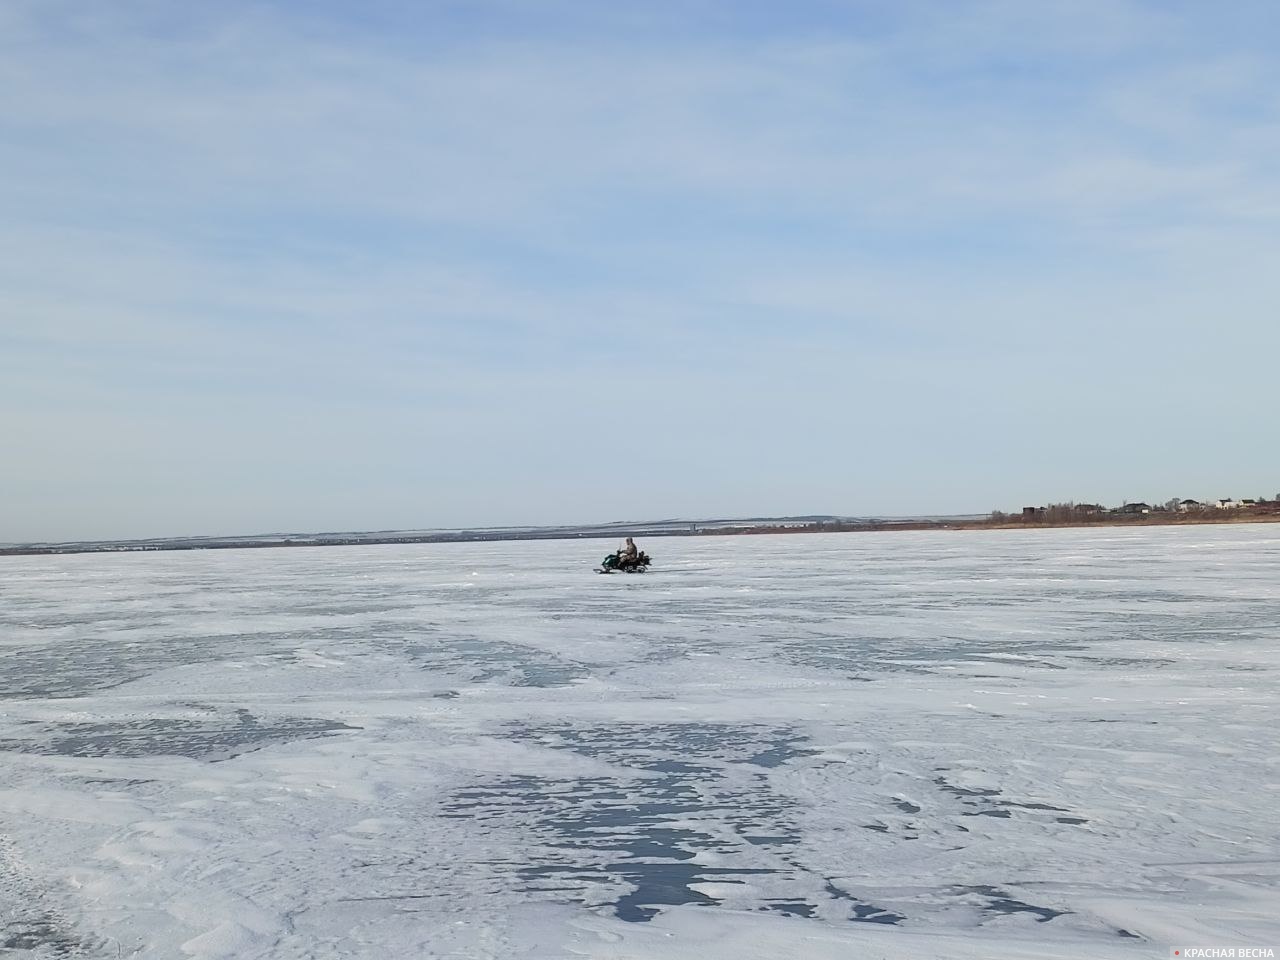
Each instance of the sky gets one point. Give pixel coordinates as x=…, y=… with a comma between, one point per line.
x=284, y=266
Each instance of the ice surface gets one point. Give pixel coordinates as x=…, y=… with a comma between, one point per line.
x=981, y=744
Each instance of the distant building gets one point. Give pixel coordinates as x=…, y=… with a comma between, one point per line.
x=1186, y=505
x=1032, y=513
x=1136, y=508
x=1229, y=503
x=1089, y=508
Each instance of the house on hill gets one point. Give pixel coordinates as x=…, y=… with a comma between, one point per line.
x=1136, y=508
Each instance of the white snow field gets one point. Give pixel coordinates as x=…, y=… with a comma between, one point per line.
x=1050, y=744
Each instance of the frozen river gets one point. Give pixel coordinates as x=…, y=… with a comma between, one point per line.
x=1055, y=744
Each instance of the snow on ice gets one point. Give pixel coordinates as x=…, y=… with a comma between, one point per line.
x=1050, y=744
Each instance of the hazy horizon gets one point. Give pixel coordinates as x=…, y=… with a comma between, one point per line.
x=638, y=523
x=294, y=268
x=585, y=525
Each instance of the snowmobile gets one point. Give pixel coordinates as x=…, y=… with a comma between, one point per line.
x=614, y=563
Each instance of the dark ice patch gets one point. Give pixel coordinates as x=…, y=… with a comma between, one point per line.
x=778, y=754
x=777, y=840
x=861, y=911
x=999, y=902
x=213, y=739
x=868, y=913
x=924, y=655
x=666, y=884
x=76, y=668
x=477, y=660
x=963, y=791
x=987, y=802
x=650, y=819
x=791, y=908
x=44, y=934
x=653, y=746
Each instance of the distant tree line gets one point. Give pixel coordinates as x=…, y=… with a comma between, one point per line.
x=1071, y=512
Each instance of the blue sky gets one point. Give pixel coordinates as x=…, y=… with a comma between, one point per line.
x=330, y=266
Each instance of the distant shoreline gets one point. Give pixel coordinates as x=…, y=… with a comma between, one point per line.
x=646, y=530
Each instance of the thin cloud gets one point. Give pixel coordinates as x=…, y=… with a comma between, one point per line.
x=468, y=229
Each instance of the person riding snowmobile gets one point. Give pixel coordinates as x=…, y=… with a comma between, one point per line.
x=628, y=555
